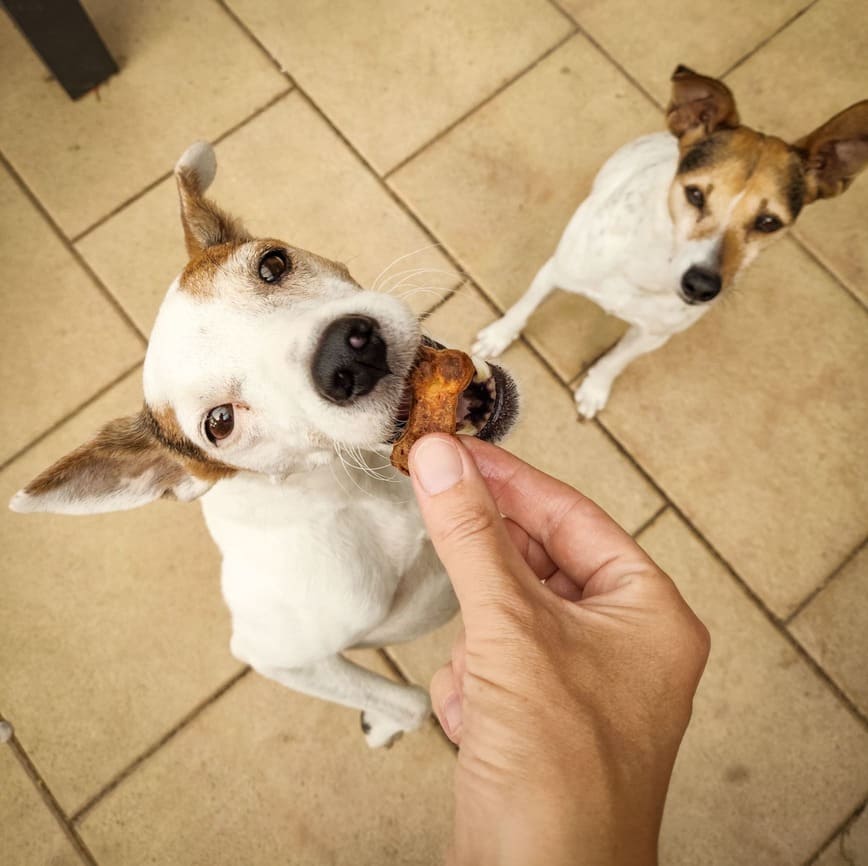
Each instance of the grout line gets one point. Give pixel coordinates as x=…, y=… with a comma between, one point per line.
x=775, y=621
x=634, y=81
x=67, y=244
x=70, y=415
x=153, y=748
x=651, y=520
x=154, y=183
x=393, y=665
x=825, y=583
x=401, y=204
x=840, y=828
x=49, y=799
x=761, y=44
x=808, y=250
x=491, y=96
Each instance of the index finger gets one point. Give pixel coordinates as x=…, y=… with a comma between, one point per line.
x=577, y=534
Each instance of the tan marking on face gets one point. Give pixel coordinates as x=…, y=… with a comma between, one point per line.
x=743, y=175
x=199, y=277
x=197, y=462
x=233, y=268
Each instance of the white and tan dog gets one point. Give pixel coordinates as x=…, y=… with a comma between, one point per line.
x=674, y=217
x=265, y=362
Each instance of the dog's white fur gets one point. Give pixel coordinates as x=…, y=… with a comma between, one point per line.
x=631, y=242
x=320, y=555
x=623, y=252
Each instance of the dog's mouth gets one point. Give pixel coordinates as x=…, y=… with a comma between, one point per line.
x=487, y=408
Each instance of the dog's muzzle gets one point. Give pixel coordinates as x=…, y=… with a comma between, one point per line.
x=487, y=409
x=350, y=359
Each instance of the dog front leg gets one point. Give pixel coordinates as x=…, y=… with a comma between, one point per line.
x=493, y=340
x=388, y=708
x=593, y=393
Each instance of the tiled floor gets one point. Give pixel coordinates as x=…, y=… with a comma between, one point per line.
x=463, y=134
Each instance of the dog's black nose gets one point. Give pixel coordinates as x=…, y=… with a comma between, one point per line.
x=700, y=284
x=350, y=359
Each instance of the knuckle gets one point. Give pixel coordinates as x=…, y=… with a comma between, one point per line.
x=466, y=524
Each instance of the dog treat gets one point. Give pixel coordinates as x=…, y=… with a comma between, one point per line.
x=435, y=387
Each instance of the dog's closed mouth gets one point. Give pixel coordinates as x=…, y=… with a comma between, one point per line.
x=486, y=408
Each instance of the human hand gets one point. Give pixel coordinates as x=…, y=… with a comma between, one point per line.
x=571, y=684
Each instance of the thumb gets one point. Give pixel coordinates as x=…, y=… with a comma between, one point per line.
x=464, y=523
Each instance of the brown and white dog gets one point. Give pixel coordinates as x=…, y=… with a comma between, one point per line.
x=673, y=218
x=268, y=364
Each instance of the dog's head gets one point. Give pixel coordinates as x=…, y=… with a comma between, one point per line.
x=264, y=358
x=737, y=190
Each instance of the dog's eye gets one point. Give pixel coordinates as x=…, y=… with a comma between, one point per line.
x=767, y=223
x=219, y=422
x=272, y=266
x=695, y=196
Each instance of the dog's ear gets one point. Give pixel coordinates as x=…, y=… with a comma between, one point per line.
x=835, y=153
x=699, y=106
x=124, y=466
x=205, y=224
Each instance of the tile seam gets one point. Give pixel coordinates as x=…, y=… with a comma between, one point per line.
x=84, y=233
x=184, y=722
x=65, y=242
x=69, y=416
x=43, y=791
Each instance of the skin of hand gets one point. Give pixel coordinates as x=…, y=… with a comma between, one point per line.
x=568, y=698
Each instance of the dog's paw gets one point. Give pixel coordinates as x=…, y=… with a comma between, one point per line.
x=493, y=340
x=383, y=731
x=592, y=395
x=199, y=164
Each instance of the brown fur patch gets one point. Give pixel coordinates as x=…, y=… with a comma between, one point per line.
x=123, y=449
x=199, y=276
x=166, y=429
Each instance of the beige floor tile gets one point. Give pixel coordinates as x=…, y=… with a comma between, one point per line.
x=187, y=72
x=500, y=188
x=112, y=627
x=791, y=99
x=650, y=39
x=61, y=339
x=850, y=847
x=772, y=761
x=834, y=629
x=391, y=75
x=287, y=175
x=29, y=833
x=266, y=775
x=754, y=422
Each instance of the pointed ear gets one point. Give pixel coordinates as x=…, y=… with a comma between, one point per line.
x=124, y=466
x=699, y=106
x=835, y=153
x=205, y=224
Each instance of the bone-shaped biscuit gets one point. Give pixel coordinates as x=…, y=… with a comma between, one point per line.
x=436, y=383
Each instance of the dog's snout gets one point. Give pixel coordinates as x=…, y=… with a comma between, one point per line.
x=350, y=359
x=700, y=284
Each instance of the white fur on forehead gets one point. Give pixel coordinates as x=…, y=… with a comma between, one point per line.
x=200, y=161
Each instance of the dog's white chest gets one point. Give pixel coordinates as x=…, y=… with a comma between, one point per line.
x=312, y=565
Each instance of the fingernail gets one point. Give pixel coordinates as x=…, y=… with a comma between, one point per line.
x=437, y=465
x=452, y=714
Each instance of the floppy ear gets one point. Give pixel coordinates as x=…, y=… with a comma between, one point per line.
x=205, y=224
x=699, y=106
x=123, y=467
x=835, y=153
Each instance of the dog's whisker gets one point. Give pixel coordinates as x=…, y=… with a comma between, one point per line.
x=400, y=259
x=389, y=285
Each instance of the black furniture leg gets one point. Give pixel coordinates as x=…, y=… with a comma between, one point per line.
x=64, y=37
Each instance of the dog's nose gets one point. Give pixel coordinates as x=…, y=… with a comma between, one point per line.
x=700, y=284
x=350, y=359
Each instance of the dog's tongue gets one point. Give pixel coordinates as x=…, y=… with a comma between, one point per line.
x=435, y=387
